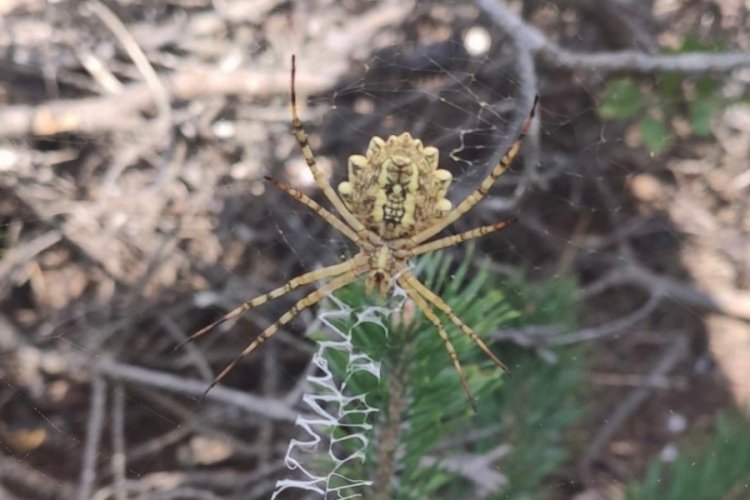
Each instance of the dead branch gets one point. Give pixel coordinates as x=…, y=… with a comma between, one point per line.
x=119, y=458
x=180, y=484
x=127, y=40
x=726, y=301
x=16, y=472
x=209, y=423
x=16, y=258
x=97, y=115
x=631, y=61
x=480, y=469
x=733, y=303
x=93, y=436
x=269, y=408
x=613, y=327
x=676, y=352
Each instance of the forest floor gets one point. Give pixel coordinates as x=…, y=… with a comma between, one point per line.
x=134, y=138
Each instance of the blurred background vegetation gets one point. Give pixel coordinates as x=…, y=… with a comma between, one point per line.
x=134, y=137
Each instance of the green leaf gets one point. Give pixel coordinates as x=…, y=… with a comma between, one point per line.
x=707, y=86
x=694, y=44
x=670, y=86
x=656, y=136
x=701, y=112
x=622, y=99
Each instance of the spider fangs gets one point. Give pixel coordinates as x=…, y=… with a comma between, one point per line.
x=392, y=203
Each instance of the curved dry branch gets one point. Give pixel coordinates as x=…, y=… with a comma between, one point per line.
x=632, y=61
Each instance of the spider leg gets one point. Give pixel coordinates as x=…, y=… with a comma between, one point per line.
x=315, y=207
x=431, y=297
x=308, y=301
x=429, y=314
x=318, y=175
x=348, y=266
x=483, y=188
x=458, y=238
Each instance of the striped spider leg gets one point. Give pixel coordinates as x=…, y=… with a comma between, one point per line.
x=392, y=203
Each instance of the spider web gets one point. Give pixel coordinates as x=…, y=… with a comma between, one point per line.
x=118, y=240
x=335, y=409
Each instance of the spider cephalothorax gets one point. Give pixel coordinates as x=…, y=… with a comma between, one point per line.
x=392, y=204
x=396, y=188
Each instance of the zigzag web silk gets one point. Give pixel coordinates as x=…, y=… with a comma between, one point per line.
x=334, y=407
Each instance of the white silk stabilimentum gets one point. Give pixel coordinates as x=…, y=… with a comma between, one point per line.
x=333, y=409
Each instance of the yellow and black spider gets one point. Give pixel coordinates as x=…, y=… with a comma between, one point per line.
x=392, y=203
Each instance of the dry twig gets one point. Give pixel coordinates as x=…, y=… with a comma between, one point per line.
x=14, y=471
x=93, y=436
x=630, y=61
x=97, y=115
x=269, y=408
x=674, y=354
x=119, y=458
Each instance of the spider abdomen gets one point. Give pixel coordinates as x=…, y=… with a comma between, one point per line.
x=396, y=189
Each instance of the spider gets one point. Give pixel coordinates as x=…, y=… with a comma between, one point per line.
x=392, y=203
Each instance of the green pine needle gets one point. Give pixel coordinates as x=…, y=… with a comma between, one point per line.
x=529, y=411
x=719, y=468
